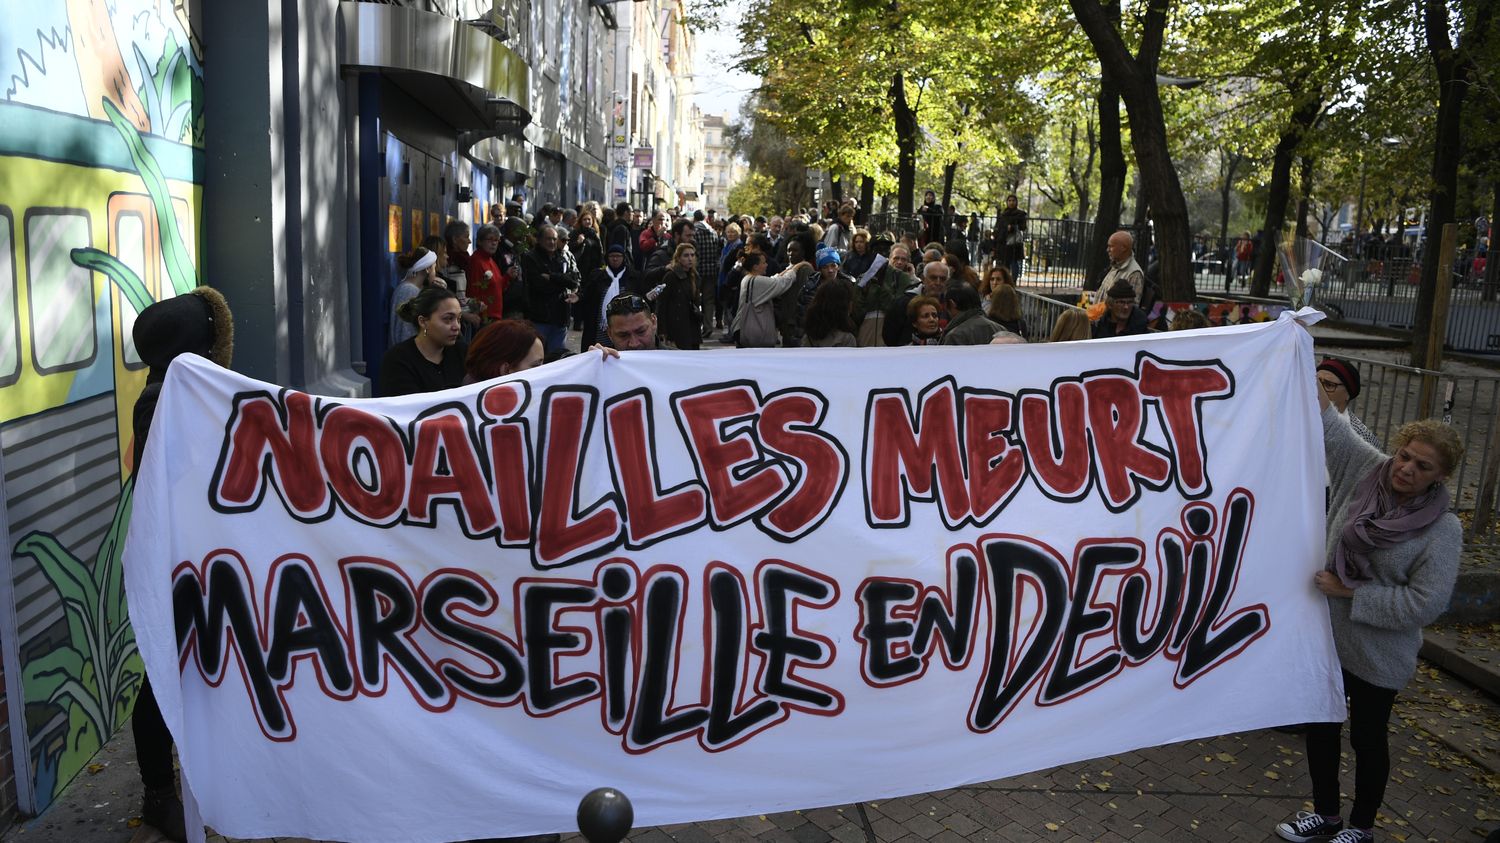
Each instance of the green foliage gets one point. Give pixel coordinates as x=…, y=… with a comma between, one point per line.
x=94, y=678
x=754, y=194
x=1028, y=78
x=771, y=154
x=828, y=71
x=130, y=285
x=173, y=93
x=180, y=269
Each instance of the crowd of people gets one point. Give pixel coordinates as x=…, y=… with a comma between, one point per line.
x=1392, y=543
x=814, y=279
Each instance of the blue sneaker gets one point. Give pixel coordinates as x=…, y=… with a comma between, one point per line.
x=1307, y=827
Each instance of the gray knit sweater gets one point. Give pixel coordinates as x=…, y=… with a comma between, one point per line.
x=1379, y=630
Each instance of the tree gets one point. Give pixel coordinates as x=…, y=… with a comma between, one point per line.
x=1455, y=67
x=864, y=86
x=754, y=194
x=771, y=154
x=1135, y=76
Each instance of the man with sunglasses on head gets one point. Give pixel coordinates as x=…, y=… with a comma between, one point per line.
x=629, y=323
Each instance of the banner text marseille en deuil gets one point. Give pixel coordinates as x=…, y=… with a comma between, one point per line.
x=859, y=574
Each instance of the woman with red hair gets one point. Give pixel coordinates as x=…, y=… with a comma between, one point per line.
x=502, y=348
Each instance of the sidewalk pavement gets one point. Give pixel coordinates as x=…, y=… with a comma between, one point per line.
x=1445, y=785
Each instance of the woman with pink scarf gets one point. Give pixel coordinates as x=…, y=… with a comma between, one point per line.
x=1393, y=548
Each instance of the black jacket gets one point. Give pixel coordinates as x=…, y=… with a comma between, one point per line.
x=549, y=278
x=591, y=299
x=1134, y=325
x=404, y=371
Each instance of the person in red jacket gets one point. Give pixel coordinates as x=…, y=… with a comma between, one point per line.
x=490, y=272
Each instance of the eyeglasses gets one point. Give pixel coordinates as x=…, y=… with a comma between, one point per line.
x=625, y=304
x=1329, y=386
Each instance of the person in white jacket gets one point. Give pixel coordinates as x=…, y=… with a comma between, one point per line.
x=754, y=323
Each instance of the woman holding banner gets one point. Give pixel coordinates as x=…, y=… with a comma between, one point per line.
x=434, y=358
x=1393, y=549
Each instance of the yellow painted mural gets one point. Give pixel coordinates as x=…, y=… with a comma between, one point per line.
x=100, y=191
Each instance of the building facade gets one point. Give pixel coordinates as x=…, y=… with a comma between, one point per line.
x=285, y=152
x=652, y=135
x=721, y=168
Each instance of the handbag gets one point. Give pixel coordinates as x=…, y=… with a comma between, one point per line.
x=754, y=325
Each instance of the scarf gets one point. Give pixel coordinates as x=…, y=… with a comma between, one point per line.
x=1377, y=521
x=610, y=292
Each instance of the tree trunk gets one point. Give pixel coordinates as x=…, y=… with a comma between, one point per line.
x=1454, y=70
x=1136, y=79
x=1279, y=193
x=1111, y=185
x=948, y=172
x=907, y=133
x=1081, y=186
x=1305, y=187
x=836, y=184
x=1111, y=170
x=1171, y=231
x=1231, y=162
x=866, y=200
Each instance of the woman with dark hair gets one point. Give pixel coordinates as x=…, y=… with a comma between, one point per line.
x=997, y=276
x=503, y=347
x=830, y=316
x=419, y=270
x=931, y=214
x=434, y=358
x=677, y=306
x=1393, y=548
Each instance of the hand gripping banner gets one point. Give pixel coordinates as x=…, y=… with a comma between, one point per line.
x=726, y=583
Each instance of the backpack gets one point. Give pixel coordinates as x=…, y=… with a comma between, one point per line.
x=755, y=325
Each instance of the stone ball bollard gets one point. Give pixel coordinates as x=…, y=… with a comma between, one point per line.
x=605, y=815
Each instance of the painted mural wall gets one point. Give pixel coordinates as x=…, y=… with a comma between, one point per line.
x=101, y=137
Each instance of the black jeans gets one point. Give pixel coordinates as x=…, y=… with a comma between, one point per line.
x=1369, y=720
x=153, y=741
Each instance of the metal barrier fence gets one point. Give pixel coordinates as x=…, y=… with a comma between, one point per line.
x=1391, y=395
x=1372, y=283
x=1040, y=313
x=1380, y=287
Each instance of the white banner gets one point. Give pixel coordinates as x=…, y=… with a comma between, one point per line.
x=726, y=583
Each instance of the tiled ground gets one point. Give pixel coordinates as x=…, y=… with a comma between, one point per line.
x=1445, y=789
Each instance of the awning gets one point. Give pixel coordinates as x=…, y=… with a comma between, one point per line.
x=461, y=72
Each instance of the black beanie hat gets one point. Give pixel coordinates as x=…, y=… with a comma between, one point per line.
x=192, y=323
x=1121, y=289
x=1347, y=374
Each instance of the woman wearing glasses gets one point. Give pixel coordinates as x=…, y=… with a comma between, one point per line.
x=1340, y=383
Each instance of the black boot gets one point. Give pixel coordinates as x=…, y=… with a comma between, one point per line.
x=162, y=810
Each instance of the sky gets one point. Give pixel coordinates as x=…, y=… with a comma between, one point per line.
x=720, y=89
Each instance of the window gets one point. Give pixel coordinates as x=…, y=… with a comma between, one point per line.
x=60, y=293
x=130, y=248
x=10, y=334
